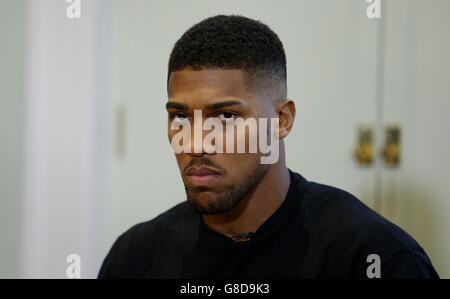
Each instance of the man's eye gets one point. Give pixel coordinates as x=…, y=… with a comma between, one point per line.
x=178, y=116
x=226, y=115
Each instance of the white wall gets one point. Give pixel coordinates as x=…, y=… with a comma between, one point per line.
x=12, y=104
x=63, y=204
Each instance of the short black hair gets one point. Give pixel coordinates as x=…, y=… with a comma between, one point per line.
x=232, y=42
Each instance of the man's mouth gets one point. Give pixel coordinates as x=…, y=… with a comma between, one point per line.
x=203, y=176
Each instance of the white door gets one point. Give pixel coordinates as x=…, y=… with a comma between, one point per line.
x=416, y=195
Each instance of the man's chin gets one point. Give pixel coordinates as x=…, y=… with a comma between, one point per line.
x=210, y=204
x=205, y=203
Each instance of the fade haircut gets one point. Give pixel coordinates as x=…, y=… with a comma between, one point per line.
x=233, y=42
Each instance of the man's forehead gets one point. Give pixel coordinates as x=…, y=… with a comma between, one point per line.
x=216, y=81
x=208, y=88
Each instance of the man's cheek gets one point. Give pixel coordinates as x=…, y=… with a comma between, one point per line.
x=180, y=161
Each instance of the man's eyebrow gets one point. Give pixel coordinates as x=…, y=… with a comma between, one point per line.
x=223, y=104
x=176, y=105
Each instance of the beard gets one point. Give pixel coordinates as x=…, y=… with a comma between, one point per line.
x=228, y=199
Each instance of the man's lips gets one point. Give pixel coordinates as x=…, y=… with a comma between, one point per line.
x=203, y=176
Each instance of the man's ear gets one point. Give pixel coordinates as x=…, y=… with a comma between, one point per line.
x=286, y=113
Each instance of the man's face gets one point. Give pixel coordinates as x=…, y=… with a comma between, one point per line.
x=216, y=182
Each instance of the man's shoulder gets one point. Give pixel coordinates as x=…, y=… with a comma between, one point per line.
x=340, y=222
x=167, y=230
x=137, y=249
x=179, y=217
x=343, y=214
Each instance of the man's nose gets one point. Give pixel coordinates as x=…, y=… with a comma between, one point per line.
x=196, y=146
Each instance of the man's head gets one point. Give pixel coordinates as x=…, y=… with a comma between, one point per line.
x=227, y=67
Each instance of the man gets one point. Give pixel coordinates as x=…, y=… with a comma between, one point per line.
x=244, y=218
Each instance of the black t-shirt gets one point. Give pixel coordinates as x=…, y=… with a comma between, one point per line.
x=318, y=232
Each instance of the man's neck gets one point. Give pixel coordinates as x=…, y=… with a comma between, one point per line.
x=256, y=207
